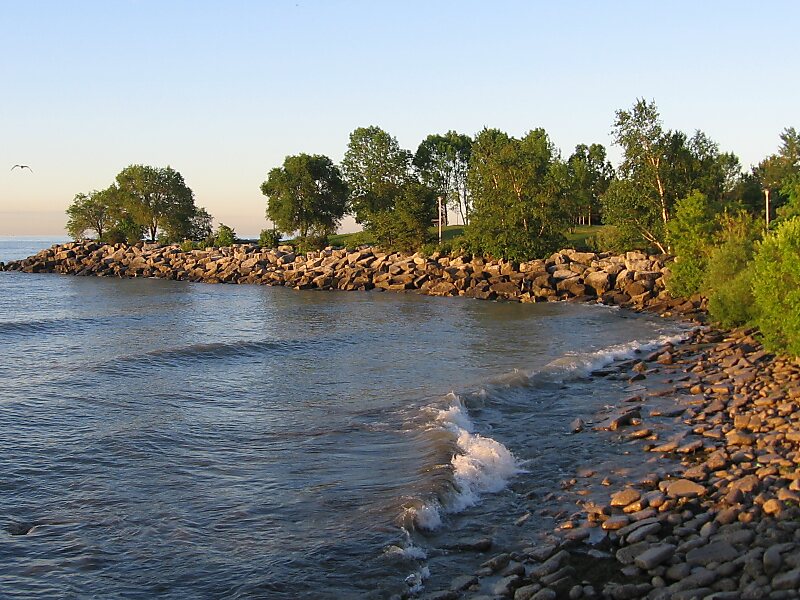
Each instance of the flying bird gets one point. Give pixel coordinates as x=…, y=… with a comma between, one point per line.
x=22, y=167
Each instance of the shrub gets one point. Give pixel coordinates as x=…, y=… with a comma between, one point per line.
x=225, y=236
x=776, y=288
x=728, y=278
x=269, y=238
x=690, y=234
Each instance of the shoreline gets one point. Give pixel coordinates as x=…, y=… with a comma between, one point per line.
x=715, y=514
x=711, y=513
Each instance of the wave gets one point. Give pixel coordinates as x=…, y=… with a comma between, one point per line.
x=479, y=466
x=192, y=353
x=36, y=326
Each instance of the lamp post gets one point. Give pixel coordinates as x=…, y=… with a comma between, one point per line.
x=766, y=201
x=439, y=202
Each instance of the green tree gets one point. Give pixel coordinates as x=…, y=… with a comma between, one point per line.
x=307, y=194
x=660, y=167
x=777, y=171
x=97, y=211
x=519, y=189
x=442, y=162
x=375, y=169
x=691, y=234
x=157, y=199
x=406, y=226
x=590, y=174
x=729, y=274
x=776, y=287
x=200, y=225
x=224, y=236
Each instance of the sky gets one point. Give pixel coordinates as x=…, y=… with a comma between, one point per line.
x=223, y=91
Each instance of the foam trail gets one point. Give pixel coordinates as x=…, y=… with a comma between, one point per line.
x=583, y=364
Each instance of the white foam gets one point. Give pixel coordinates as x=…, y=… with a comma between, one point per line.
x=483, y=465
x=583, y=364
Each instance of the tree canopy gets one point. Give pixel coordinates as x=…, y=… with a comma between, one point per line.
x=519, y=191
x=375, y=169
x=307, y=195
x=442, y=162
x=143, y=199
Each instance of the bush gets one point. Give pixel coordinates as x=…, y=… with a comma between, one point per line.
x=269, y=238
x=728, y=279
x=690, y=234
x=225, y=236
x=776, y=288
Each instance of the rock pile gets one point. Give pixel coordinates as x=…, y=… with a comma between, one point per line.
x=632, y=279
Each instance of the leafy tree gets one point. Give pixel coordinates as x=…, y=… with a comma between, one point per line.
x=658, y=168
x=157, y=199
x=270, y=238
x=307, y=195
x=776, y=287
x=590, y=174
x=691, y=234
x=728, y=279
x=776, y=172
x=442, y=162
x=96, y=211
x=406, y=227
x=519, y=187
x=200, y=225
x=224, y=236
x=375, y=169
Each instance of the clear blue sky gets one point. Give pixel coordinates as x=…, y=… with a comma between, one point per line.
x=223, y=91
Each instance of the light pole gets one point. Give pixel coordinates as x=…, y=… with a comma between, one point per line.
x=439, y=202
x=766, y=201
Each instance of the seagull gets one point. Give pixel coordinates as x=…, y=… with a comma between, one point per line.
x=22, y=167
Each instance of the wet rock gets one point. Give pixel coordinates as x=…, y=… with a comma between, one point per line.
x=714, y=552
x=463, y=582
x=683, y=488
x=654, y=556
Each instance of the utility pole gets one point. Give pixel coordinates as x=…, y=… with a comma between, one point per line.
x=766, y=200
x=439, y=201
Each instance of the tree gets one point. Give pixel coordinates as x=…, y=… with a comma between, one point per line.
x=777, y=172
x=200, y=225
x=519, y=189
x=96, y=211
x=691, y=234
x=157, y=199
x=442, y=162
x=224, y=236
x=590, y=174
x=659, y=168
x=375, y=169
x=307, y=194
x=406, y=226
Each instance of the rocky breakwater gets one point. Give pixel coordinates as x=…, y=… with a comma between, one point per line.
x=713, y=509
x=633, y=279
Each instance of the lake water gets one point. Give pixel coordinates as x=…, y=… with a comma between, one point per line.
x=179, y=440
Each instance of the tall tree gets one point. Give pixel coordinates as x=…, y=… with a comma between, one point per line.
x=96, y=211
x=158, y=199
x=442, y=162
x=519, y=190
x=375, y=169
x=590, y=173
x=777, y=171
x=307, y=194
x=659, y=168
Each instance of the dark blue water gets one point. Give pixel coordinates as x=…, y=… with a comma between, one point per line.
x=178, y=440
